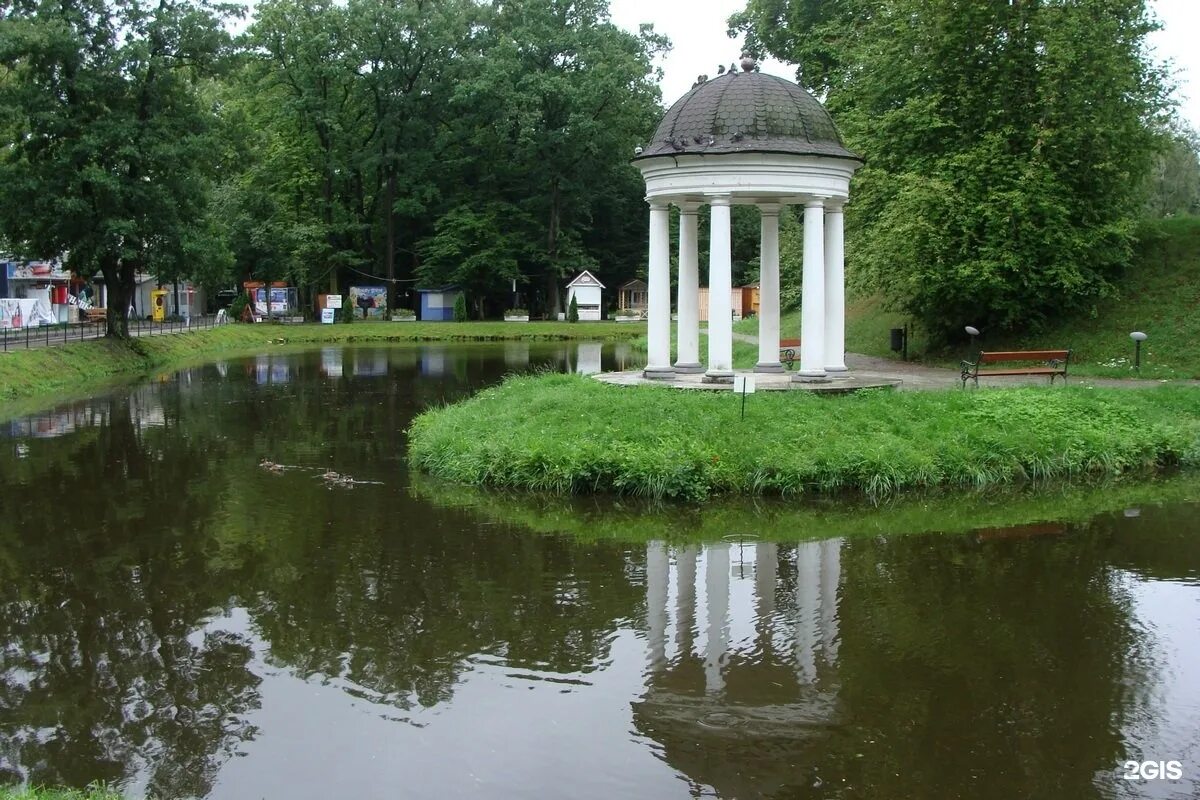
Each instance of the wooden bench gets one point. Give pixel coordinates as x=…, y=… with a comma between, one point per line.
x=1053, y=364
x=787, y=351
x=96, y=314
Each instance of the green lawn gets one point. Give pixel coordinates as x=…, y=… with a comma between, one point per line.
x=570, y=434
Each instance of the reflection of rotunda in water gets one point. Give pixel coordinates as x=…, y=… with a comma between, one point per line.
x=742, y=651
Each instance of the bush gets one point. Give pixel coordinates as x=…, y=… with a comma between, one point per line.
x=238, y=306
x=517, y=312
x=404, y=313
x=347, y=311
x=573, y=311
x=460, y=308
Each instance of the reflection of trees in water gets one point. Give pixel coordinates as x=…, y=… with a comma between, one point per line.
x=938, y=658
x=103, y=669
x=369, y=584
x=1024, y=650
x=952, y=667
x=398, y=602
x=136, y=535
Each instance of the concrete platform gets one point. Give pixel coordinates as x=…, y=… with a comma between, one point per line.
x=763, y=382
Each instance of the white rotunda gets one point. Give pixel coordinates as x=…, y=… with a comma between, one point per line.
x=750, y=139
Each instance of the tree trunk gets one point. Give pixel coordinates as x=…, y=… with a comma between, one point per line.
x=553, y=298
x=119, y=282
x=389, y=266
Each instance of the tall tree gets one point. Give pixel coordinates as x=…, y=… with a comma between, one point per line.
x=1173, y=185
x=356, y=94
x=549, y=104
x=109, y=149
x=1005, y=143
x=307, y=95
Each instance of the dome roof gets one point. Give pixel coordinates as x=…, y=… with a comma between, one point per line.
x=747, y=112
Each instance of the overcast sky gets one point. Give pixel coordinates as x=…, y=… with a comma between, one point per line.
x=696, y=29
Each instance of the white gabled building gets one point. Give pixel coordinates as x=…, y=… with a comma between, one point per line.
x=588, y=293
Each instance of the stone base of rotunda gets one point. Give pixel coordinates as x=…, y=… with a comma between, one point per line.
x=689, y=369
x=769, y=367
x=659, y=373
x=718, y=376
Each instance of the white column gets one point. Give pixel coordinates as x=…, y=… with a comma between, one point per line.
x=685, y=599
x=812, y=304
x=766, y=567
x=688, y=328
x=658, y=361
x=808, y=609
x=831, y=575
x=768, y=292
x=716, y=598
x=657, y=578
x=835, y=289
x=720, y=286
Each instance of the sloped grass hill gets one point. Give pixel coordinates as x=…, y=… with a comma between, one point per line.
x=1159, y=295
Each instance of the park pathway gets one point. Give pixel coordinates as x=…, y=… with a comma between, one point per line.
x=923, y=376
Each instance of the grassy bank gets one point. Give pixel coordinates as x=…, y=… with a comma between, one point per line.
x=74, y=369
x=569, y=434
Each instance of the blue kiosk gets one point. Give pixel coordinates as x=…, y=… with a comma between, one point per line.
x=437, y=303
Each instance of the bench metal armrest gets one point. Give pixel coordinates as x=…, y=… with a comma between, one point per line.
x=968, y=370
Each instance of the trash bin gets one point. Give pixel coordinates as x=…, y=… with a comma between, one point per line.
x=897, y=339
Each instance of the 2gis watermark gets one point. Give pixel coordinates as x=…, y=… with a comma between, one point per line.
x=1151, y=770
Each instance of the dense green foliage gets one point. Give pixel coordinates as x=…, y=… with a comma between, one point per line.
x=1006, y=145
x=418, y=142
x=439, y=142
x=1010, y=147
x=574, y=434
x=108, y=154
x=573, y=310
x=1174, y=182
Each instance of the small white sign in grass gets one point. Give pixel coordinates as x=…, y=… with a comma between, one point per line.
x=743, y=385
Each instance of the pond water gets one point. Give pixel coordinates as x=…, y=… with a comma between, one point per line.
x=177, y=618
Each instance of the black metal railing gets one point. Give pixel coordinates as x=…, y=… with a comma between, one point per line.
x=30, y=337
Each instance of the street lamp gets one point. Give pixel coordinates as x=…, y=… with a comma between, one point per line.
x=972, y=331
x=1138, y=337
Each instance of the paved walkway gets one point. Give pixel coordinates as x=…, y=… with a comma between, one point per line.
x=903, y=374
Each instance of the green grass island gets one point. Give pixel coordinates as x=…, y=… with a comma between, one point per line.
x=572, y=434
